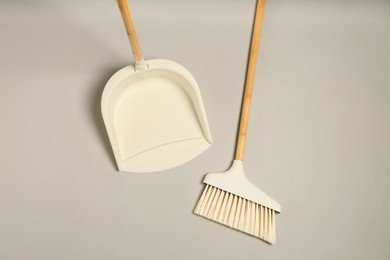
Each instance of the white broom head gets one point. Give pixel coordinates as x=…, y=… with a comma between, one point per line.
x=231, y=199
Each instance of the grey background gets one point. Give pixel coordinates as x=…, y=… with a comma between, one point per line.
x=318, y=139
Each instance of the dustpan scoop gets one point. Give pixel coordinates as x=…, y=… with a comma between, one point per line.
x=153, y=112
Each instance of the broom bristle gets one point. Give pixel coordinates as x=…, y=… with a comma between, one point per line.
x=237, y=212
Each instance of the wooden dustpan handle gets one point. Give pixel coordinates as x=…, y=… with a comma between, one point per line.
x=130, y=29
x=250, y=76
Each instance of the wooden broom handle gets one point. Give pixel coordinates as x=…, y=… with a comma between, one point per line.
x=250, y=76
x=130, y=29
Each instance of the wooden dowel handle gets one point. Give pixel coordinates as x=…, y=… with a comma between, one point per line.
x=250, y=76
x=130, y=29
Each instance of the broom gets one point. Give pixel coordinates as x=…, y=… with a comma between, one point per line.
x=229, y=197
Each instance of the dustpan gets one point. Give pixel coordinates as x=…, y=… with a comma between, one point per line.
x=153, y=112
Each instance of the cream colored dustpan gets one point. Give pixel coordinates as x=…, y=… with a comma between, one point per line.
x=153, y=112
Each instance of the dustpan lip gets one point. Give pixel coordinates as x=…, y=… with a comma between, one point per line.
x=124, y=167
x=164, y=144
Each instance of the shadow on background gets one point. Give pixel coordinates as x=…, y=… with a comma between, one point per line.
x=96, y=114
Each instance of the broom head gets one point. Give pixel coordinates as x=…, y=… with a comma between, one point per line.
x=232, y=200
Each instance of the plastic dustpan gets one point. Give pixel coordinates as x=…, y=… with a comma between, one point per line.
x=153, y=112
